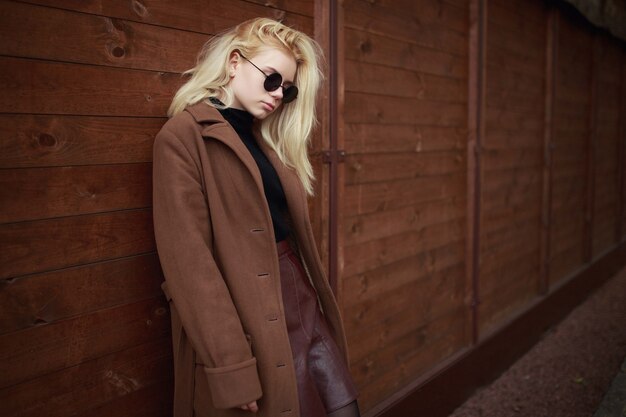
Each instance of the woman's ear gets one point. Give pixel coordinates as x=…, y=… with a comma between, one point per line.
x=233, y=63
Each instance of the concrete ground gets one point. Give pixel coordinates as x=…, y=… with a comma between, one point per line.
x=570, y=372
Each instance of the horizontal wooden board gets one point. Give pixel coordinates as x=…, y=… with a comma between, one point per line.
x=362, y=77
x=366, y=108
x=512, y=119
x=206, y=16
x=529, y=158
x=504, y=273
x=501, y=60
x=358, y=229
x=404, y=27
x=376, y=138
x=38, y=246
x=378, y=196
x=565, y=263
x=524, y=47
x=372, y=284
x=48, y=297
x=424, y=299
x=155, y=400
x=383, y=167
x=87, y=386
x=42, y=141
x=89, y=39
x=35, y=86
x=367, y=47
x=47, y=348
x=503, y=305
x=39, y=193
x=502, y=19
x=392, y=369
x=425, y=12
x=373, y=254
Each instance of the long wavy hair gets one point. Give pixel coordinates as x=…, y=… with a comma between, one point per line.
x=287, y=130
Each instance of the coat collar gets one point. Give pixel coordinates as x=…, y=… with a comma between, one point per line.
x=215, y=126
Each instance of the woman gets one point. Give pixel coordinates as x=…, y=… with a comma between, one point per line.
x=255, y=326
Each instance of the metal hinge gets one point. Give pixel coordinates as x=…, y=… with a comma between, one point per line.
x=339, y=156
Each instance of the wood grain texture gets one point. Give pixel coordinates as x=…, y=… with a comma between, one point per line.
x=43, y=141
x=44, y=245
x=76, y=89
x=91, y=384
x=48, y=297
x=209, y=17
x=39, y=193
x=47, y=348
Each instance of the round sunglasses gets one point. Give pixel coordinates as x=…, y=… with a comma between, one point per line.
x=274, y=81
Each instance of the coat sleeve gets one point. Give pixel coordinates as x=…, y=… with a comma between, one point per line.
x=183, y=236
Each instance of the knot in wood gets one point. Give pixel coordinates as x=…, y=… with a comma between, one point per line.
x=365, y=46
x=46, y=139
x=139, y=9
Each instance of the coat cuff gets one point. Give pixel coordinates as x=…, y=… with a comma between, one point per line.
x=234, y=385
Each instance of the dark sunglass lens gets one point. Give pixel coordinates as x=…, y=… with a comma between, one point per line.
x=273, y=81
x=290, y=93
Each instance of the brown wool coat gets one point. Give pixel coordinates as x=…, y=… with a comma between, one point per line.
x=216, y=245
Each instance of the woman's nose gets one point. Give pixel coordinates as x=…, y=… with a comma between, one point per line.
x=278, y=93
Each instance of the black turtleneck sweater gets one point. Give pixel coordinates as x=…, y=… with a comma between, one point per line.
x=242, y=122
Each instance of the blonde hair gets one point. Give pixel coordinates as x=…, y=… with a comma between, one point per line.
x=287, y=130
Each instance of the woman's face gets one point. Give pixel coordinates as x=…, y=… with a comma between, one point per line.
x=247, y=81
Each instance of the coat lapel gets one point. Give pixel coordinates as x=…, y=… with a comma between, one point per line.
x=216, y=127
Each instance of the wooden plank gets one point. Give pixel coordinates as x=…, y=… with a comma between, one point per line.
x=513, y=22
x=369, y=78
x=370, y=285
x=204, y=16
x=62, y=88
x=382, y=167
x=37, y=246
x=512, y=119
x=514, y=81
x=373, y=254
x=87, y=386
x=90, y=39
x=376, y=138
x=48, y=297
x=502, y=273
x=520, y=158
x=38, y=141
x=565, y=263
x=513, y=297
x=377, y=196
x=423, y=299
x=43, y=349
x=426, y=12
x=404, y=27
x=39, y=193
x=504, y=60
x=366, y=108
x=358, y=229
x=155, y=400
x=387, y=334
x=390, y=370
x=367, y=47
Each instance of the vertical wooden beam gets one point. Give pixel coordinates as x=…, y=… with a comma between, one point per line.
x=476, y=131
x=552, y=41
x=621, y=156
x=590, y=151
x=329, y=33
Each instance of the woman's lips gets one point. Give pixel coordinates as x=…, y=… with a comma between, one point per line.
x=268, y=106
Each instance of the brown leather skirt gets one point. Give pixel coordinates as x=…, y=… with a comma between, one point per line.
x=324, y=380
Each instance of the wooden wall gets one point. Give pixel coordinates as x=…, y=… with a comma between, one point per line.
x=485, y=144
x=481, y=173
x=84, y=327
x=404, y=284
